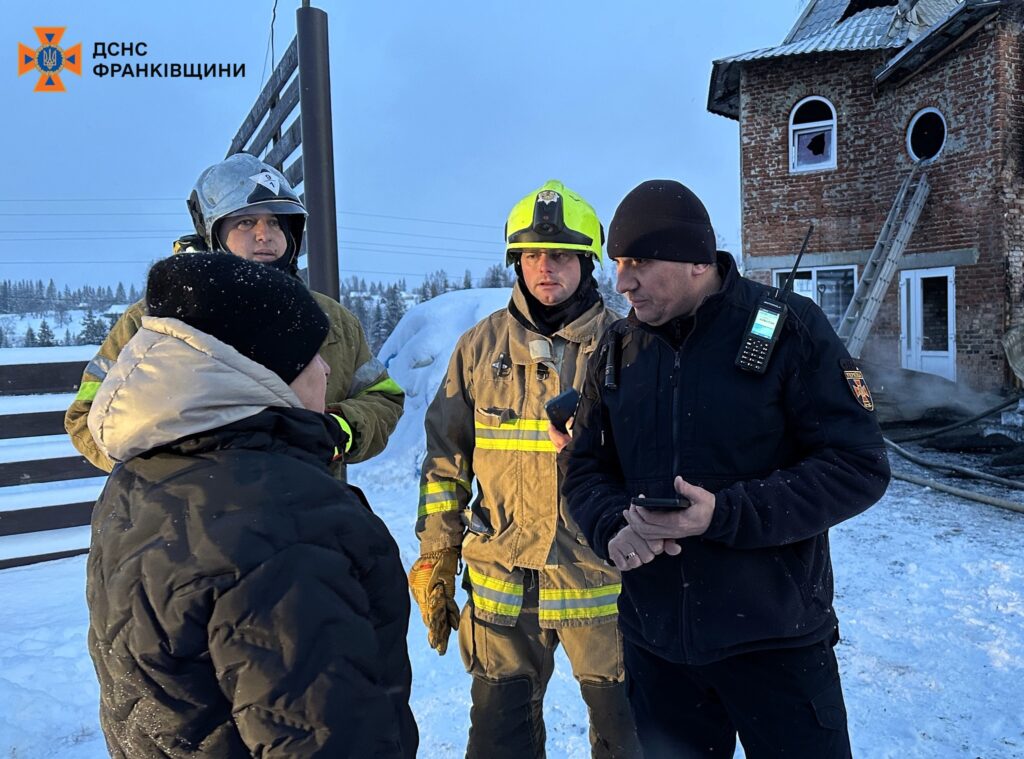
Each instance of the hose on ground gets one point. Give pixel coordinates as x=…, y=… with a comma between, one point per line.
x=1002, y=503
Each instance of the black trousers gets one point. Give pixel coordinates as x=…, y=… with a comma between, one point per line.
x=783, y=703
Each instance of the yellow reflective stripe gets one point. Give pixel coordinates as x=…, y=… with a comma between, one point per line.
x=88, y=391
x=347, y=430
x=436, y=497
x=504, y=609
x=444, y=486
x=541, y=446
x=502, y=586
x=387, y=386
x=436, y=508
x=559, y=594
x=578, y=603
x=515, y=435
x=496, y=596
x=592, y=612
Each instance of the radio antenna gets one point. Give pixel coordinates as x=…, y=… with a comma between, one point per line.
x=796, y=264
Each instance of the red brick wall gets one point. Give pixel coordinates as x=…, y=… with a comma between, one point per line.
x=976, y=199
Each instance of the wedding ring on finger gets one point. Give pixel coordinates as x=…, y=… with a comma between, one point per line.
x=630, y=555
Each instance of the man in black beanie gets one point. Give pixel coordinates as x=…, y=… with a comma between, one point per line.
x=726, y=606
x=242, y=601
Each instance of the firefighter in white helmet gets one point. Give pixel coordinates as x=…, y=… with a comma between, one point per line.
x=243, y=207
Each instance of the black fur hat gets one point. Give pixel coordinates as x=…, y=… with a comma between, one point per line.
x=261, y=312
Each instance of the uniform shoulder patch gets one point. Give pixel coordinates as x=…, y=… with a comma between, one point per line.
x=858, y=385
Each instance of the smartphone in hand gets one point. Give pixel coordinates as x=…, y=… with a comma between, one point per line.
x=661, y=504
x=561, y=408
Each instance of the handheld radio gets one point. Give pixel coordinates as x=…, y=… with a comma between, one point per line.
x=766, y=322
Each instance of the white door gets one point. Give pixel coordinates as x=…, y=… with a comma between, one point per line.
x=928, y=321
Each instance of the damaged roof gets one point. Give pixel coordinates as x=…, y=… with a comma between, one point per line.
x=828, y=26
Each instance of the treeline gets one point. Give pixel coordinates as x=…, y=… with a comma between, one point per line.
x=36, y=299
x=93, y=331
x=378, y=306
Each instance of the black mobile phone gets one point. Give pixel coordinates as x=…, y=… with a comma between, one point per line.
x=661, y=504
x=561, y=408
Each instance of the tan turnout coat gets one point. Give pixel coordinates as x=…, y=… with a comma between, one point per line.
x=487, y=422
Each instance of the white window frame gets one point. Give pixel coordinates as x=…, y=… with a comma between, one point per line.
x=910, y=128
x=795, y=130
x=779, y=277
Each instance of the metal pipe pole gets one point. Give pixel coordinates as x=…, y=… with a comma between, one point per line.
x=317, y=149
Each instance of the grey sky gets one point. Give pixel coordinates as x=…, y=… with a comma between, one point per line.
x=445, y=111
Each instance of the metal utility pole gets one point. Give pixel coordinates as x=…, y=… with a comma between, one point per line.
x=317, y=149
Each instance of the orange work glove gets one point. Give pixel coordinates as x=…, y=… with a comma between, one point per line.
x=432, y=581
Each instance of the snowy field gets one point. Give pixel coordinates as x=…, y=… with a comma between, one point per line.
x=929, y=590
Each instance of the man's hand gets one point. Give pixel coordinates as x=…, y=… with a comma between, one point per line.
x=432, y=581
x=560, y=439
x=670, y=524
x=627, y=550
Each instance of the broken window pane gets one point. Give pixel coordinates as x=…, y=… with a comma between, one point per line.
x=814, y=147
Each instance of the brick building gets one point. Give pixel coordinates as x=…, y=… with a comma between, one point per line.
x=859, y=94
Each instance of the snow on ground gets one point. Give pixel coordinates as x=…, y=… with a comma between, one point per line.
x=54, y=355
x=929, y=590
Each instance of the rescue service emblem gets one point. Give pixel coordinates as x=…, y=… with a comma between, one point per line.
x=547, y=196
x=268, y=180
x=858, y=385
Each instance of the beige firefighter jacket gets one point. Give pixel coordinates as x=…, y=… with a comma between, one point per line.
x=487, y=422
x=361, y=395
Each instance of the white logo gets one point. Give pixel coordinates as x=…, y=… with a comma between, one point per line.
x=268, y=180
x=547, y=196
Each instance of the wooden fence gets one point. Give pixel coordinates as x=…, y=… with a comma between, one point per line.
x=47, y=488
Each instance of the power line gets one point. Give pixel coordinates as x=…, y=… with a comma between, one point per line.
x=428, y=221
x=81, y=235
x=420, y=220
x=83, y=200
x=178, y=232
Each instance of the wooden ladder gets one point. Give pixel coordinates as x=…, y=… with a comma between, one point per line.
x=881, y=266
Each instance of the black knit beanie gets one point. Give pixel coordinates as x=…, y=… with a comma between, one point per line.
x=261, y=312
x=662, y=219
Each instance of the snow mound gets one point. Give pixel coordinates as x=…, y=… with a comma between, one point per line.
x=416, y=355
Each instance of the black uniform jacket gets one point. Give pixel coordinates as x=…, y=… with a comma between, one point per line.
x=242, y=601
x=788, y=454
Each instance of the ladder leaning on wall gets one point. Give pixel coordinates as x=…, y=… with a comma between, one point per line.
x=881, y=266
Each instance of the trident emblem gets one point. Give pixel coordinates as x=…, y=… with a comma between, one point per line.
x=48, y=58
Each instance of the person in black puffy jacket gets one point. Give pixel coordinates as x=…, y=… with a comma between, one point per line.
x=242, y=601
x=726, y=607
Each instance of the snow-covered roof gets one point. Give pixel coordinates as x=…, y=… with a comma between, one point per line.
x=830, y=26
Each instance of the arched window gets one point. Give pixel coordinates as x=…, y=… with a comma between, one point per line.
x=926, y=134
x=812, y=135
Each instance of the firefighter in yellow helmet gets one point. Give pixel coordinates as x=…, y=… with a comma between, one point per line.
x=531, y=579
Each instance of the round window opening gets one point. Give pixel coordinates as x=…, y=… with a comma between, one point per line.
x=926, y=135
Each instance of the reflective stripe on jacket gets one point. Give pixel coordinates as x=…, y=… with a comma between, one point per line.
x=487, y=422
